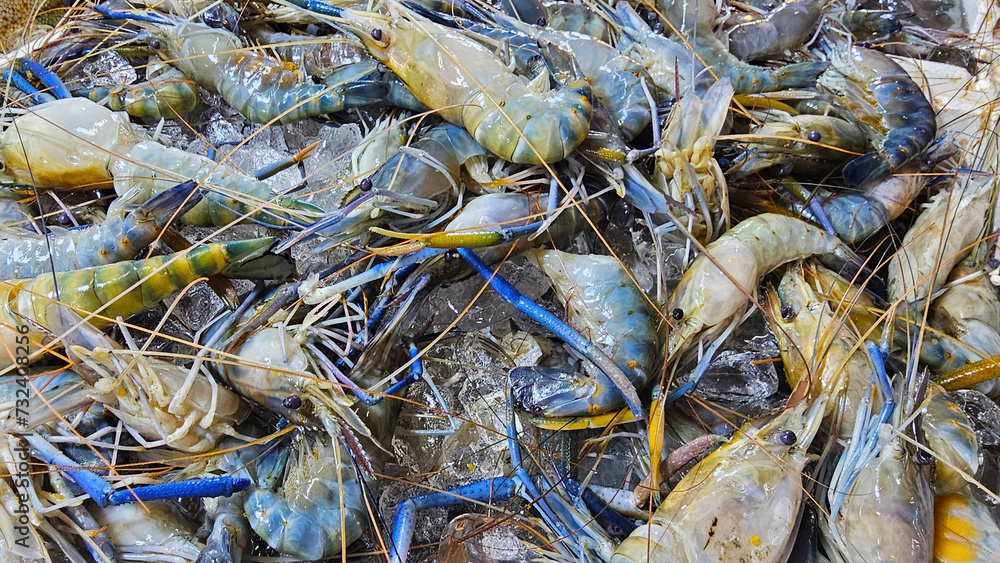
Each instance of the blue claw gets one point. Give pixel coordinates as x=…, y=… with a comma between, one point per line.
x=104, y=494
x=585, y=347
x=45, y=76
x=22, y=84
x=489, y=490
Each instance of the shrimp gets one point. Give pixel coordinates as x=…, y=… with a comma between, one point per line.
x=152, y=168
x=717, y=285
x=816, y=348
x=964, y=529
x=120, y=237
x=938, y=239
x=113, y=290
x=105, y=150
x=664, y=58
x=713, y=513
x=258, y=87
x=308, y=501
x=787, y=28
x=165, y=93
x=138, y=390
x=158, y=526
x=879, y=497
x=418, y=182
x=606, y=306
x=907, y=124
x=467, y=85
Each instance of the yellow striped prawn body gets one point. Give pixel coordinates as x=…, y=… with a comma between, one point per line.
x=964, y=529
x=469, y=86
x=116, y=290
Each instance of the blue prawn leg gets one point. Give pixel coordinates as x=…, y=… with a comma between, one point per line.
x=585, y=347
x=104, y=494
x=488, y=490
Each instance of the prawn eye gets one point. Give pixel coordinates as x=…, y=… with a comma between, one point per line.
x=658, y=28
x=377, y=34
x=992, y=263
x=541, y=22
x=449, y=256
x=923, y=457
x=787, y=438
x=814, y=136
x=677, y=314
x=365, y=185
x=154, y=44
x=787, y=313
x=292, y=402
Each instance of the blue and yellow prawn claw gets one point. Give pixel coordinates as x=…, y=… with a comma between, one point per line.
x=475, y=238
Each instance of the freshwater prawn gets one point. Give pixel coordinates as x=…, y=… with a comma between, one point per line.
x=716, y=286
x=710, y=514
x=469, y=86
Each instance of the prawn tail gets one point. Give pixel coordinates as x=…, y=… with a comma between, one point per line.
x=865, y=169
x=553, y=392
x=854, y=216
x=164, y=206
x=749, y=79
